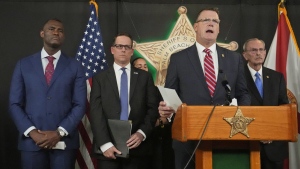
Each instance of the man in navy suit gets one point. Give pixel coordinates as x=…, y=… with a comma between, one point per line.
x=273, y=93
x=187, y=75
x=46, y=110
x=141, y=108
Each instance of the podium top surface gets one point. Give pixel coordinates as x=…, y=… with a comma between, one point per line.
x=270, y=123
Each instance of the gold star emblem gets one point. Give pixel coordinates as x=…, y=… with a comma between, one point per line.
x=239, y=123
x=183, y=35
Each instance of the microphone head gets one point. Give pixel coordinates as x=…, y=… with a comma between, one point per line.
x=224, y=83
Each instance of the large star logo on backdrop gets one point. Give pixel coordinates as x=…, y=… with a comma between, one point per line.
x=158, y=53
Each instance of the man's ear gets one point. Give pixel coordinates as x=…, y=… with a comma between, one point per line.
x=195, y=26
x=42, y=34
x=244, y=55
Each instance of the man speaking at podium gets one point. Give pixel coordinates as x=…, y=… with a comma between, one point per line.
x=197, y=74
x=272, y=153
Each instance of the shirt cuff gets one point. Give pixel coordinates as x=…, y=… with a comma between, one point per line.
x=65, y=131
x=106, y=146
x=140, y=131
x=170, y=118
x=28, y=131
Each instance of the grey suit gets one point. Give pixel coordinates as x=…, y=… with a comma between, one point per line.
x=274, y=94
x=185, y=75
x=105, y=104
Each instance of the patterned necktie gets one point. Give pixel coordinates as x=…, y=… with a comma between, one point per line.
x=259, y=84
x=124, y=95
x=49, y=69
x=209, y=72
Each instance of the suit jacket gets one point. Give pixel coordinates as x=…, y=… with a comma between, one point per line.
x=105, y=104
x=33, y=103
x=274, y=94
x=186, y=76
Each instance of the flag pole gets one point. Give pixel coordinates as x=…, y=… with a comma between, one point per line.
x=95, y=4
x=282, y=9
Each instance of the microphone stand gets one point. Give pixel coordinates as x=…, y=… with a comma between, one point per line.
x=204, y=130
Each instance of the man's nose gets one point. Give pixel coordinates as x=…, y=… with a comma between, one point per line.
x=55, y=31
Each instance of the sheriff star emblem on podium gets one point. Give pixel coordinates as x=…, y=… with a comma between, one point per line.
x=239, y=123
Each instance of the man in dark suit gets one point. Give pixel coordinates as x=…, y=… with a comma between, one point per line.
x=163, y=157
x=46, y=110
x=272, y=93
x=107, y=103
x=199, y=83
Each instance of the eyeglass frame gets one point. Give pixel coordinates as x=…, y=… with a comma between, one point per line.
x=207, y=20
x=120, y=46
x=255, y=50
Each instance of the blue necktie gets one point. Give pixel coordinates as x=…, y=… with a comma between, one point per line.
x=124, y=95
x=259, y=84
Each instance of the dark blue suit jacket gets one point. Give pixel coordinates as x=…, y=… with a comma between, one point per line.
x=185, y=75
x=34, y=103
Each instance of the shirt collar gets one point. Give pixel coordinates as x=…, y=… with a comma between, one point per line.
x=118, y=67
x=44, y=54
x=213, y=48
x=253, y=72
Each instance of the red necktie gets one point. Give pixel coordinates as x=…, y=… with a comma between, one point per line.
x=209, y=72
x=49, y=69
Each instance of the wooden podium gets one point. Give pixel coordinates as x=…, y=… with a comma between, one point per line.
x=270, y=123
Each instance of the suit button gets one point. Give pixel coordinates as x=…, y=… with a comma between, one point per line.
x=48, y=98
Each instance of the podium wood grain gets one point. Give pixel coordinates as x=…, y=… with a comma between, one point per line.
x=271, y=123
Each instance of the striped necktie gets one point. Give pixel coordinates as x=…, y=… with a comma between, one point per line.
x=209, y=72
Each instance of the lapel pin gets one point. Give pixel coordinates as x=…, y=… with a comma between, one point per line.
x=267, y=77
x=135, y=73
x=222, y=55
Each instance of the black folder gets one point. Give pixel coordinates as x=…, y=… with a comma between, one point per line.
x=120, y=131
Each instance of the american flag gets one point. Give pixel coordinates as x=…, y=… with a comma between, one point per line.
x=92, y=57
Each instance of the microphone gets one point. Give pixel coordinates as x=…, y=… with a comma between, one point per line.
x=227, y=89
x=226, y=86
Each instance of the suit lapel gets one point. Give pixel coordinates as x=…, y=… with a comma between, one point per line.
x=251, y=85
x=38, y=66
x=133, y=80
x=111, y=75
x=221, y=57
x=266, y=82
x=62, y=63
x=193, y=56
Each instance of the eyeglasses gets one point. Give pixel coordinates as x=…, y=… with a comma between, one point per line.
x=207, y=20
x=255, y=50
x=120, y=47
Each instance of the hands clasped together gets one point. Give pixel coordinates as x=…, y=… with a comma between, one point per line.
x=45, y=139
